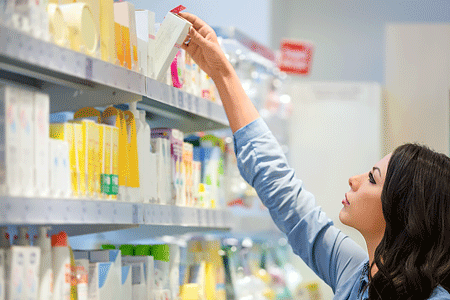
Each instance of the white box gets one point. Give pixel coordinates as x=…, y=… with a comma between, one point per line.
x=15, y=269
x=41, y=137
x=126, y=282
x=142, y=56
x=101, y=287
x=145, y=30
x=115, y=278
x=31, y=273
x=148, y=272
x=55, y=187
x=138, y=288
x=169, y=38
x=26, y=129
x=10, y=181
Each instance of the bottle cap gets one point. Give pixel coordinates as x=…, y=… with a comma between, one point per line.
x=160, y=252
x=142, y=250
x=108, y=247
x=127, y=250
x=59, y=240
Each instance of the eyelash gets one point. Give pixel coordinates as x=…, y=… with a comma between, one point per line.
x=371, y=179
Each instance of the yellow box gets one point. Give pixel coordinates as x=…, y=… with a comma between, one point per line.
x=107, y=36
x=65, y=132
x=115, y=154
x=80, y=159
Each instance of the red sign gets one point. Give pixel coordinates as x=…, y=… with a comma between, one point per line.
x=295, y=57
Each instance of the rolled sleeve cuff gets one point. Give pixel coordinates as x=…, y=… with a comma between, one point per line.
x=247, y=133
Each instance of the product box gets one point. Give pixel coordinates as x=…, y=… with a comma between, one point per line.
x=60, y=183
x=65, y=132
x=175, y=138
x=31, y=274
x=101, y=287
x=41, y=113
x=79, y=171
x=126, y=282
x=138, y=288
x=15, y=269
x=124, y=16
x=10, y=181
x=107, y=162
x=89, y=155
x=26, y=129
x=115, y=276
x=147, y=274
x=145, y=30
x=169, y=38
x=107, y=42
x=188, y=158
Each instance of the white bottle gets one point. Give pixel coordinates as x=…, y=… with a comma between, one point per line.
x=24, y=239
x=140, y=145
x=61, y=266
x=43, y=241
x=4, y=238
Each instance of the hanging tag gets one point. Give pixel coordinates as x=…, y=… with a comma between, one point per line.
x=177, y=9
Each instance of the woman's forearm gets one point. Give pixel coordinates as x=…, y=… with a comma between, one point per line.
x=238, y=107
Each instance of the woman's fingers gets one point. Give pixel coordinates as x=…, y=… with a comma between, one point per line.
x=195, y=21
x=197, y=38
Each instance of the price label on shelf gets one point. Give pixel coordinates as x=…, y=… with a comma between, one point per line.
x=196, y=105
x=181, y=101
x=209, y=111
x=189, y=104
x=213, y=219
x=166, y=94
x=174, y=96
x=89, y=68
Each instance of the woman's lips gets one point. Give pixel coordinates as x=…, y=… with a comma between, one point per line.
x=345, y=201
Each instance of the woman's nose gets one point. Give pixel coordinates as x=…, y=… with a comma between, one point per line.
x=353, y=182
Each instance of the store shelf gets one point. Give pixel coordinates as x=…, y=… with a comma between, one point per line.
x=74, y=80
x=87, y=216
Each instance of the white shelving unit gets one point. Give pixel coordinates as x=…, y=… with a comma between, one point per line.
x=74, y=80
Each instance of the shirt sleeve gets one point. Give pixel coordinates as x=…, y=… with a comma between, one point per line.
x=332, y=255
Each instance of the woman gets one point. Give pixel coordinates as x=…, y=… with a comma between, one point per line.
x=401, y=206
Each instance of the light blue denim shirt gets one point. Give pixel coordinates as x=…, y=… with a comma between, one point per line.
x=332, y=255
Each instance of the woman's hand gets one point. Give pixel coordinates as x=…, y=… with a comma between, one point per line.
x=204, y=48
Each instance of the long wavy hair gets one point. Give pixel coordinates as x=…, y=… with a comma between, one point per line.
x=413, y=257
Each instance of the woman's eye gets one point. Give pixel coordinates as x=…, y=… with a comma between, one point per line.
x=371, y=179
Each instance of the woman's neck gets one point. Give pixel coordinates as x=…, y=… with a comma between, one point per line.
x=372, y=243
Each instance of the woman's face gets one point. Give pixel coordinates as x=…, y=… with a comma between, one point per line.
x=362, y=203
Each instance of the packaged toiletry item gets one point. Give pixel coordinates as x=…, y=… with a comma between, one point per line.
x=82, y=278
x=142, y=49
x=174, y=270
x=133, y=158
x=140, y=152
x=9, y=141
x=42, y=240
x=126, y=282
x=115, y=117
x=29, y=17
x=41, y=112
x=169, y=37
x=124, y=17
x=60, y=184
x=161, y=256
x=145, y=30
x=177, y=69
x=83, y=34
x=187, y=188
x=15, y=263
x=26, y=153
x=94, y=7
x=107, y=42
x=141, y=254
x=114, y=277
x=79, y=171
x=61, y=267
x=138, y=271
x=65, y=132
x=89, y=155
x=175, y=138
x=195, y=268
x=58, y=29
x=100, y=285
x=31, y=274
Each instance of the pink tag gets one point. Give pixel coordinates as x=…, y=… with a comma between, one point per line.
x=178, y=9
x=151, y=36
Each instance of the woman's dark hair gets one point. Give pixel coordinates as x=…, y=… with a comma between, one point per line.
x=413, y=257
